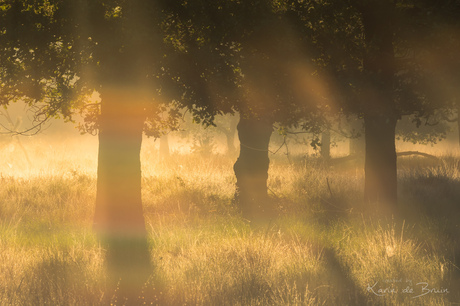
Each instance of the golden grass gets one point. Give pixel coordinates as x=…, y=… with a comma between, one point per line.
x=322, y=250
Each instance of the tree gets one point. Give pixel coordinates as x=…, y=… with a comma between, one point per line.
x=395, y=81
x=254, y=58
x=355, y=50
x=245, y=43
x=54, y=53
x=277, y=87
x=379, y=111
x=436, y=54
x=357, y=47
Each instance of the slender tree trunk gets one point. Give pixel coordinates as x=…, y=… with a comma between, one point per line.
x=119, y=218
x=326, y=144
x=251, y=167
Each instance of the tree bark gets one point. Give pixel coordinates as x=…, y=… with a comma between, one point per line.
x=380, y=165
x=458, y=121
x=379, y=105
x=118, y=199
x=119, y=218
x=251, y=167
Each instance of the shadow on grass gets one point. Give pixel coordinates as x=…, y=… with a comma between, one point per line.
x=57, y=280
x=336, y=287
x=348, y=292
x=129, y=269
x=436, y=197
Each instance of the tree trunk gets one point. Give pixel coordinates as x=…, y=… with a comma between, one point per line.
x=379, y=105
x=119, y=218
x=118, y=200
x=380, y=165
x=251, y=167
x=326, y=144
x=458, y=121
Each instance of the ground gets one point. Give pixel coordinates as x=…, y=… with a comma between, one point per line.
x=324, y=248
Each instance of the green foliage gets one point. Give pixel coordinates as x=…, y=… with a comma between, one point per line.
x=297, y=60
x=411, y=129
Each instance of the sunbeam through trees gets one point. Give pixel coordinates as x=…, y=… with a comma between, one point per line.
x=247, y=152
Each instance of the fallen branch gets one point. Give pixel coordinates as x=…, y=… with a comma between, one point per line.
x=407, y=153
x=398, y=154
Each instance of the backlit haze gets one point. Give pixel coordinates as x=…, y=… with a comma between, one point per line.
x=60, y=149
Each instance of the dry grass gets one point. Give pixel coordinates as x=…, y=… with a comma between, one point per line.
x=323, y=250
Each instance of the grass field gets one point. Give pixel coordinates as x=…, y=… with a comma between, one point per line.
x=326, y=248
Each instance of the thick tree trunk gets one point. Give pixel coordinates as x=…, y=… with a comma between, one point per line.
x=119, y=218
x=458, y=121
x=118, y=200
x=379, y=105
x=326, y=144
x=380, y=165
x=251, y=167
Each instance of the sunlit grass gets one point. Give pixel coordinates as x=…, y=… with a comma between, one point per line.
x=54, y=268
x=388, y=256
x=322, y=250
x=219, y=264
